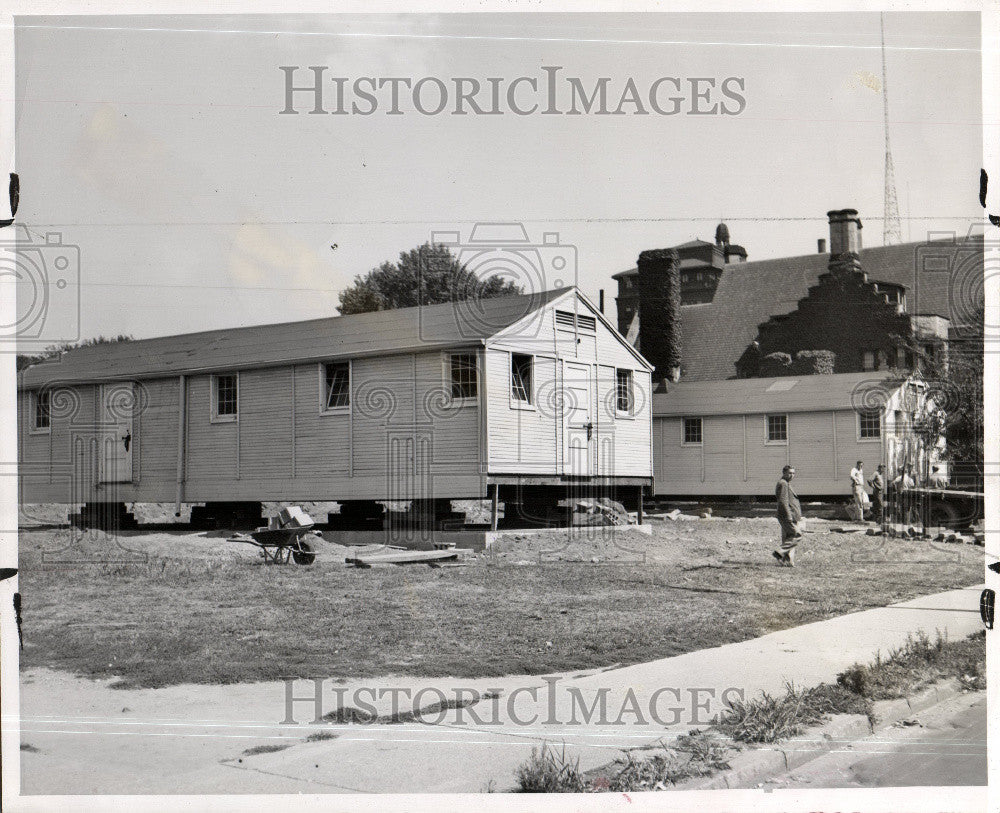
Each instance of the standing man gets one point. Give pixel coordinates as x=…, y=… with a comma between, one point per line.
x=904, y=483
x=858, y=488
x=878, y=494
x=789, y=516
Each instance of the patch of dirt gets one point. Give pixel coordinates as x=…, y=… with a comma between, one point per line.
x=264, y=749
x=685, y=541
x=140, y=545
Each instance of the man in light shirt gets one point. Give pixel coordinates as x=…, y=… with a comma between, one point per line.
x=858, y=488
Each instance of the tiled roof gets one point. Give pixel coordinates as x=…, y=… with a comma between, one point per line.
x=752, y=396
x=405, y=329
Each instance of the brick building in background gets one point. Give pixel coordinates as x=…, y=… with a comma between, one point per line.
x=865, y=305
x=822, y=329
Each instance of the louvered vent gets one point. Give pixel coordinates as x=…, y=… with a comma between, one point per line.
x=565, y=319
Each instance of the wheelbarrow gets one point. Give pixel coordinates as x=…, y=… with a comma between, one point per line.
x=279, y=546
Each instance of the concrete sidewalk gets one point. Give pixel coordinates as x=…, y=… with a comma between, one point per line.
x=592, y=715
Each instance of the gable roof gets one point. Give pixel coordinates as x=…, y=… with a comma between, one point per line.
x=750, y=396
x=715, y=334
x=527, y=326
x=403, y=330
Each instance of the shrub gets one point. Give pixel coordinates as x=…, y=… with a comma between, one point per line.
x=916, y=663
x=815, y=362
x=775, y=364
x=549, y=772
x=691, y=756
x=770, y=719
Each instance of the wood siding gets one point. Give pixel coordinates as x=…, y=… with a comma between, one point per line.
x=735, y=459
x=402, y=437
x=530, y=439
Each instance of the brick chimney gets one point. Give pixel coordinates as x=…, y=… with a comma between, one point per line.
x=660, y=314
x=845, y=239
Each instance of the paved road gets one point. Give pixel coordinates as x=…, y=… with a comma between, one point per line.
x=192, y=739
x=948, y=747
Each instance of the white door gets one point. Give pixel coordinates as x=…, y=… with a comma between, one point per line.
x=580, y=432
x=115, y=439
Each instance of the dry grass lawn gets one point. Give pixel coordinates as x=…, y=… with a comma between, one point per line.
x=192, y=615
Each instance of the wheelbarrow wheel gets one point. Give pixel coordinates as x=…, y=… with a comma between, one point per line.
x=304, y=554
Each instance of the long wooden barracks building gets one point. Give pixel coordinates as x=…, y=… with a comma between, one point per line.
x=525, y=399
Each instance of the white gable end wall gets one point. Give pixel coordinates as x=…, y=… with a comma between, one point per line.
x=531, y=438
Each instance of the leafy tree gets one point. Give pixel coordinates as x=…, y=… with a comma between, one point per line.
x=427, y=275
x=961, y=376
x=953, y=373
x=25, y=360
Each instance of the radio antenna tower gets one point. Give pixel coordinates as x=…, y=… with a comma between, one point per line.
x=892, y=233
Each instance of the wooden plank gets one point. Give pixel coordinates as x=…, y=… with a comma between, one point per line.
x=403, y=558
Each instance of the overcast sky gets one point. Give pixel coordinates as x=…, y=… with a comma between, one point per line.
x=156, y=145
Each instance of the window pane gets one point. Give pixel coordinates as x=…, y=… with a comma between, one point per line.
x=520, y=378
x=338, y=385
x=623, y=391
x=42, y=410
x=869, y=424
x=692, y=430
x=777, y=428
x=225, y=394
x=463, y=376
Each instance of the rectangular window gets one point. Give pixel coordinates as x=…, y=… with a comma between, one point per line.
x=692, y=431
x=336, y=386
x=623, y=391
x=777, y=429
x=464, y=378
x=869, y=424
x=868, y=360
x=521, y=377
x=40, y=421
x=225, y=397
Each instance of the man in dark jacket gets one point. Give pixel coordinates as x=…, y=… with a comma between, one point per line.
x=789, y=516
x=878, y=495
